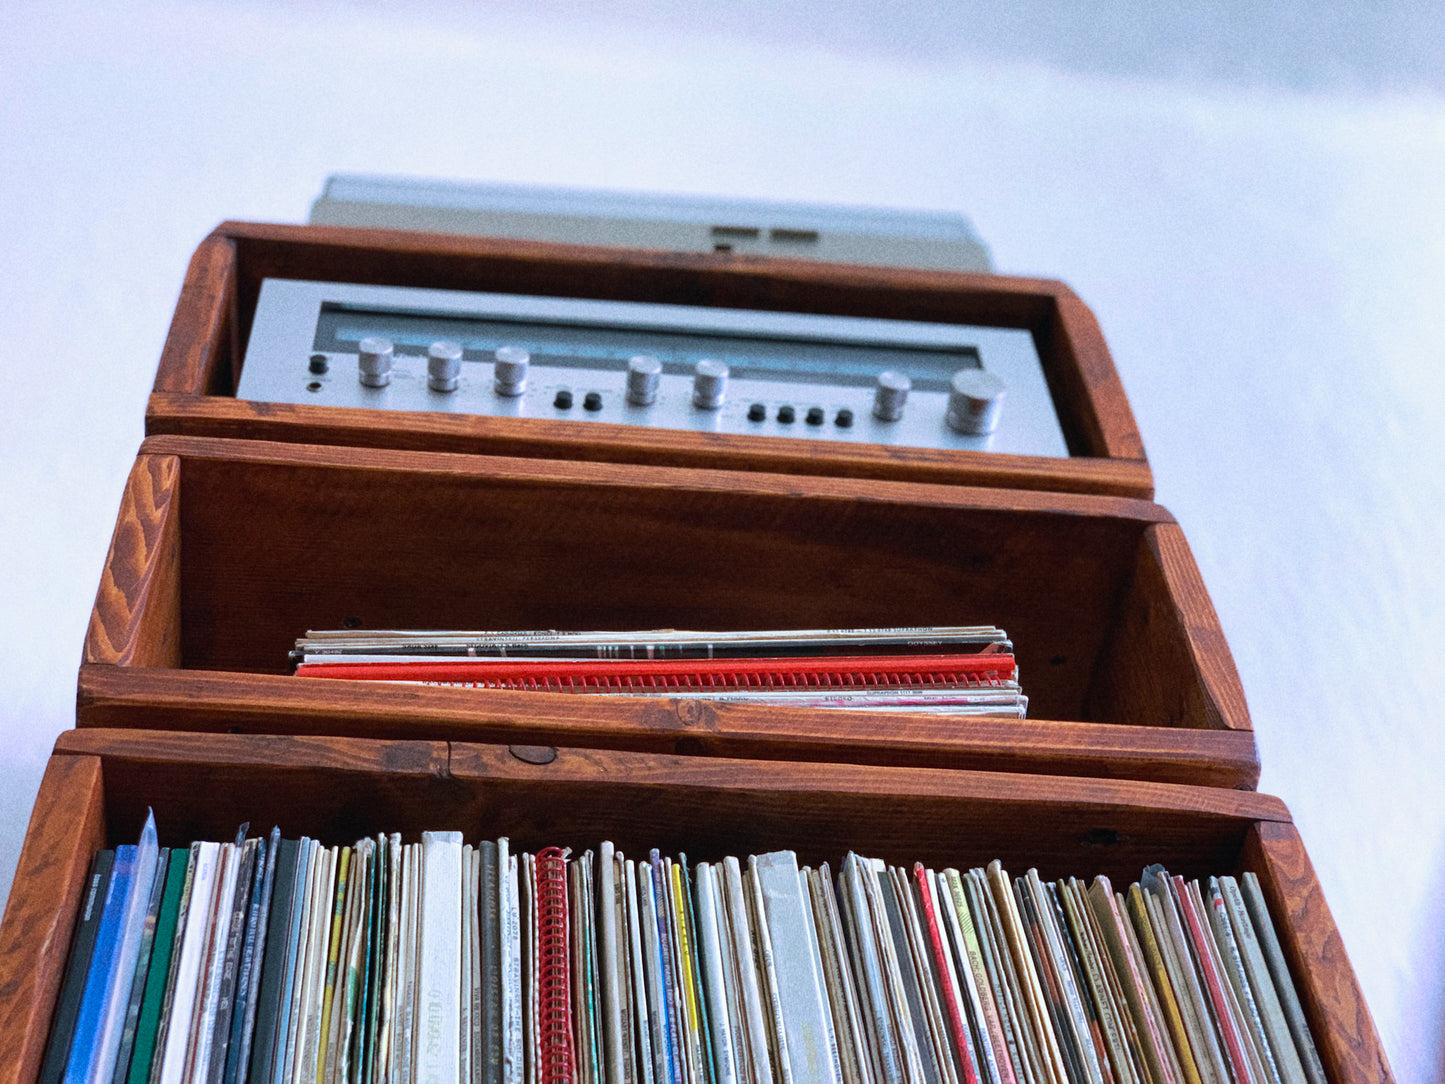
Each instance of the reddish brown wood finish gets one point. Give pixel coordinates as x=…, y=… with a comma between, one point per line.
x=1114, y=634
x=136, y=620
x=1168, y=620
x=199, y=701
x=195, y=383
x=336, y=789
x=66, y=827
x=198, y=357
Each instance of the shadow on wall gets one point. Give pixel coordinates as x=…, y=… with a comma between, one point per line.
x=1391, y=45
x=1395, y=45
x=1429, y=945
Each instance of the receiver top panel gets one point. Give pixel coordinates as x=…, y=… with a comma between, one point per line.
x=655, y=220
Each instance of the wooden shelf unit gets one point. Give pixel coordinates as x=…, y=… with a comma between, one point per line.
x=195, y=385
x=225, y=551
x=244, y=524
x=99, y=783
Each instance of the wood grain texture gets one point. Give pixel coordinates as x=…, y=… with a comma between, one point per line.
x=461, y=465
x=66, y=828
x=183, y=413
x=203, y=356
x=1168, y=658
x=335, y=786
x=198, y=354
x=1340, y=1021
x=710, y=807
x=713, y=807
x=374, y=538
x=112, y=696
x=136, y=620
x=1081, y=373
x=202, y=787
x=1218, y=676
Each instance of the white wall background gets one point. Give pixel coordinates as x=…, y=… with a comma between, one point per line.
x=1248, y=195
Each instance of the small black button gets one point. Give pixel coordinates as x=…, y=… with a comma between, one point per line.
x=786, y=415
x=757, y=412
x=592, y=401
x=814, y=416
x=318, y=363
x=844, y=419
x=563, y=400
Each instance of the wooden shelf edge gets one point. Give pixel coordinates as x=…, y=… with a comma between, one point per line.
x=138, y=697
x=1213, y=660
x=1113, y=430
x=267, y=238
x=196, y=328
x=565, y=471
x=136, y=614
x=481, y=760
x=185, y=414
x=402, y=756
x=36, y=931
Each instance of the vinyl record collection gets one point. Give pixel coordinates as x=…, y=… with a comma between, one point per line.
x=939, y=670
x=278, y=961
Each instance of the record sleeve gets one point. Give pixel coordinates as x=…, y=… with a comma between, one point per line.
x=1276, y=1029
x=801, y=1006
x=142, y=968
x=163, y=945
x=1283, y=982
x=178, y=1015
x=77, y=968
x=272, y=946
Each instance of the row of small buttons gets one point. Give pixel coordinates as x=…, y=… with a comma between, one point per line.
x=592, y=401
x=815, y=415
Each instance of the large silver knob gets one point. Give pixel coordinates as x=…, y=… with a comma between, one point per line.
x=709, y=384
x=974, y=402
x=373, y=363
x=644, y=374
x=890, y=394
x=443, y=365
x=509, y=373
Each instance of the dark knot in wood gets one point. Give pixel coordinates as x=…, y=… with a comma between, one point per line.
x=533, y=754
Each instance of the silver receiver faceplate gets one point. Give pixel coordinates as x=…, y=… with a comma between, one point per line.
x=786, y=374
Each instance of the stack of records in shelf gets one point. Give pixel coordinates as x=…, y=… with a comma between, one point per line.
x=282, y=961
x=948, y=670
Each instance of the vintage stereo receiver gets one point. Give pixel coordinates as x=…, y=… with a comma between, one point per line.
x=747, y=373
x=772, y=358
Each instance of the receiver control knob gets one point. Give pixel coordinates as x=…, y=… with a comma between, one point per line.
x=644, y=374
x=373, y=363
x=443, y=365
x=890, y=394
x=709, y=384
x=509, y=373
x=974, y=402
